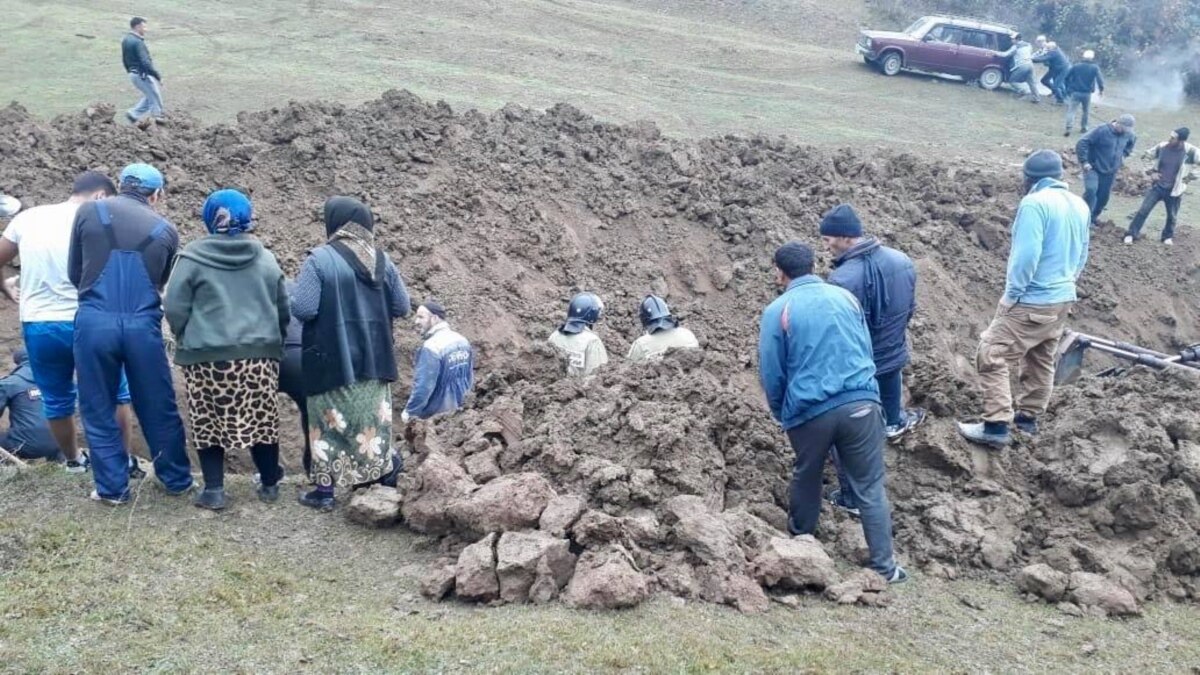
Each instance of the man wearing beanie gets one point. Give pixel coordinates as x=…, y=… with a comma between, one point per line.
x=445, y=367
x=884, y=281
x=1080, y=83
x=1175, y=158
x=1102, y=151
x=1049, y=249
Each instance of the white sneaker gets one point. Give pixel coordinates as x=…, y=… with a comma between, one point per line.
x=1128, y=239
x=1168, y=242
x=95, y=496
x=79, y=465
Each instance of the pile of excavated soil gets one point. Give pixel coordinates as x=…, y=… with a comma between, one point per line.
x=671, y=477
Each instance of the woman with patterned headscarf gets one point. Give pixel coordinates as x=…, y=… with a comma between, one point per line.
x=227, y=306
x=347, y=296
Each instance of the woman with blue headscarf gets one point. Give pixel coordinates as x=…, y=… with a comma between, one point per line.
x=227, y=306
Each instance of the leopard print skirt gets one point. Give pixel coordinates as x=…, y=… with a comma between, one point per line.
x=233, y=404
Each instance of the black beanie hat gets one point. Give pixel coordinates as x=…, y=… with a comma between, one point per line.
x=841, y=221
x=1182, y=133
x=435, y=308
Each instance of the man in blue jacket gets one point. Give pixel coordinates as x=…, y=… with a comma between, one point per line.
x=445, y=367
x=884, y=281
x=28, y=435
x=1079, y=84
x=142, y=73
x=1049, y=250
x=817, y=371
x=1057, y=66
x=1102, y=151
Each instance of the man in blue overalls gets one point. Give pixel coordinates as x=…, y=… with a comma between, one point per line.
x=121, y=256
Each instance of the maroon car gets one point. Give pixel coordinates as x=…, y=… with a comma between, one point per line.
x=942, y=45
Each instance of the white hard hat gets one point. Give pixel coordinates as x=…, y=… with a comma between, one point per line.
x=9, y=206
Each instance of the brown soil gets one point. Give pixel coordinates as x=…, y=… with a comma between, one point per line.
x=502, y=217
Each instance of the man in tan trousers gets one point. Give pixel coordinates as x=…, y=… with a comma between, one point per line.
x=1049, y=250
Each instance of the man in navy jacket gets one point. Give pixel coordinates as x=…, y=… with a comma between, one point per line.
x=445, y=367
x=817, y=371
x=884, y=281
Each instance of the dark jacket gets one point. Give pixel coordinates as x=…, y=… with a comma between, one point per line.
x=1084, y=78
x=136, y=56
x=226, y=301
x=884, y=282
x=133, y=221
x=1104, y=149
x=347, y=316
x=28, y=432
x=814, y=352
x=1054, y=59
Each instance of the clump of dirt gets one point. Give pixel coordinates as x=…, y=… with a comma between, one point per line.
x=672, y=477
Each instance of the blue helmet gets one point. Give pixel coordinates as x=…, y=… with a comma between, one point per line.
x=583, y=312
x=656, y=315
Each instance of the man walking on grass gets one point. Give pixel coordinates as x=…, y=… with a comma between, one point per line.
x=1079, y=84
x=142, y=73
x=1102, y=151
x=816, y=368
x=1049, y=250
x=1175, y=159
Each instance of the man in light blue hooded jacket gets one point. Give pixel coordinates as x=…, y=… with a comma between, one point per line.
x=1049, y=251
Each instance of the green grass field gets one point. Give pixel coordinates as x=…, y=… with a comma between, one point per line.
x=165, y=588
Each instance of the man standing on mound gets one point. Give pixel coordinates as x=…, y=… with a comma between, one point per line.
x=1049, y=251
x=1174, y=158
x=816, y=367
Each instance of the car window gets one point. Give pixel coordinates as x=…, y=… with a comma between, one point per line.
x=944, y=33
x=915, y=29
x=980, y=39
x=1004, y=42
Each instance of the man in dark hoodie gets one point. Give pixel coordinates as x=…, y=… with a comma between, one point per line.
x=1057, y=66
x=884, y=281
x=28, y=434
x=1102, y=151
x=120, y=257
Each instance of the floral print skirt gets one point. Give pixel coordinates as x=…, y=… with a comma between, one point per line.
x=350, y=430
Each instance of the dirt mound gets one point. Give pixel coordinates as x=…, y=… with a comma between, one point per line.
x=672, y=477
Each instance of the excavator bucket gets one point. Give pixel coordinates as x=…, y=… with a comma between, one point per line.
x=1069, y=364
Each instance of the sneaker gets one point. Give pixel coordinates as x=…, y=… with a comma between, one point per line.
x=79, y=465
x=1168, y=242
x=136, y=472
x=898, y=576
x=835, y=498
x=129, y=116
x=1128, y=239
x=912, y=419
x=318, y=500
x=978, y=433
x=95, y=496
x=213, y=500
x=1067, y=132
x=1026, y=423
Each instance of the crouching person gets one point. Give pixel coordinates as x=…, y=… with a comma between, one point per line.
x=445, y=367
x=819, y=378
x=227, y=306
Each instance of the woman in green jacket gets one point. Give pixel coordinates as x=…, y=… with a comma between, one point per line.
x=228, y=308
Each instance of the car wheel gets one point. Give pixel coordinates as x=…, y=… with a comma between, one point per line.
x=991, y=78
x=891, y=64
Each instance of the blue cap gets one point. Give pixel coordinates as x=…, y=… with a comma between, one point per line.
x=141, y=175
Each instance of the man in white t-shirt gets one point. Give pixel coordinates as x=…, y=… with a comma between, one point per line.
x=42, y=237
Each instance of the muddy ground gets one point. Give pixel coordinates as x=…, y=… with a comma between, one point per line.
x=503, y=216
